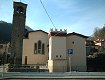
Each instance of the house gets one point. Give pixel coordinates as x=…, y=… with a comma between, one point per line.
x=4, y=51
x=100, y=45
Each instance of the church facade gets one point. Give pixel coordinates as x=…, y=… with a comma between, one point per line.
x=51, y=49
x=35, y=50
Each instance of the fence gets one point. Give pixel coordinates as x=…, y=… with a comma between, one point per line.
x=23, y=68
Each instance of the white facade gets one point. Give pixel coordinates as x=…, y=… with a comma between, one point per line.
x=57, y=53
x=57, y=48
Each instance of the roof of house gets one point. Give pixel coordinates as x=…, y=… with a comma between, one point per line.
x=73, y=33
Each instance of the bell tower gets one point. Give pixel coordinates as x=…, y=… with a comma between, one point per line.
x=18, y=28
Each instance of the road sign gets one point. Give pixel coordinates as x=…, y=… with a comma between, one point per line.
x=70, y=52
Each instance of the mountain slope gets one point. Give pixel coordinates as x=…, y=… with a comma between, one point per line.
x=6, y=29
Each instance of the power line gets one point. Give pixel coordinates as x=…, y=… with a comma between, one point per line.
x=47, y=13
x=49, y=17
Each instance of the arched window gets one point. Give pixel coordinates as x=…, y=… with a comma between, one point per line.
x=43, y=48
x=35, y=48
x=39, y=46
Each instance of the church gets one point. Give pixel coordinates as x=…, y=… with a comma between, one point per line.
x=58, y=50
x=41, y=48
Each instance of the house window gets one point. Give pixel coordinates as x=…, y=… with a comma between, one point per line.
x=35, y=48
x=43, y=48
x=1, y=46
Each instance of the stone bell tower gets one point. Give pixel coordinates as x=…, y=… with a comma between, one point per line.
x=18, y=28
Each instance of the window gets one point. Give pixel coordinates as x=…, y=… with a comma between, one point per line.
x=1, y=46
x=73, y=42
x=56, y=56
x=39, y=46
x=35, y=48
x=43, y=48
x=25, y=60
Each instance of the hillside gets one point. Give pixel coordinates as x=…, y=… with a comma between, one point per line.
x=6, y=29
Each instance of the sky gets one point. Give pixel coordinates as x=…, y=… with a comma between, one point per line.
x=80, y=16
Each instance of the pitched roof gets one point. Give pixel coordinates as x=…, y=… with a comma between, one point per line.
x=37, y=31
x=73, y=33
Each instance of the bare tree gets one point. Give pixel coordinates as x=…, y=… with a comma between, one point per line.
x=99, y=33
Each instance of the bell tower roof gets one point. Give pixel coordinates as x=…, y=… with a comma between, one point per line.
x=16, y=4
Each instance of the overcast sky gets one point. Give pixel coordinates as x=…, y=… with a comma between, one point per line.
x=80, y=16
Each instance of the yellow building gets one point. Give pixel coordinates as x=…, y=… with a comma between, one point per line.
x=35, y=48
x=76, y=42
x=41, y=48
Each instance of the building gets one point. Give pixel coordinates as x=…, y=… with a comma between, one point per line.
x=100, y=45
x=57, y=51
x=35, y=48
x=18, y=29
x=76, y=42
x=51, y=48
x=4, y=51
x=42, y=48
x=90, y=47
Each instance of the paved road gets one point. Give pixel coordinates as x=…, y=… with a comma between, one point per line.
x=66, y=75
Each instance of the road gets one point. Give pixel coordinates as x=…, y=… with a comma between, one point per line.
x=46, y=75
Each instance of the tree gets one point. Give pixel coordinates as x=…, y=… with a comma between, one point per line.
x=96, y=33
x=99, y=33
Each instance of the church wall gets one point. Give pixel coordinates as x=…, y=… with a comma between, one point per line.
x=28, y=48
x=78, y=59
